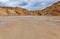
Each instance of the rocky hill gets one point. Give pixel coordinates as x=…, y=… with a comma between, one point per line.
x=13, y=11
x=53, y=10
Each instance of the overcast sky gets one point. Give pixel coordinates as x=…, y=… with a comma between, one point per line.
x=29, y=4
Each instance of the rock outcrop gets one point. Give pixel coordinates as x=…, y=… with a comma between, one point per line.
x=53, y=10
x=13, y=11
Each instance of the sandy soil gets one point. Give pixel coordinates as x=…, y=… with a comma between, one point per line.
x=29, y=27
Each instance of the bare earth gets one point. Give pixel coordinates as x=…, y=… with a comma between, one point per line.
x=29, y=27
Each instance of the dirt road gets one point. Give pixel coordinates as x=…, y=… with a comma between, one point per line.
x=29, y=27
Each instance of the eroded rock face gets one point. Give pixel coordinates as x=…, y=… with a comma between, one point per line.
x=53, y=10
x=3, y=12
x=13, y=11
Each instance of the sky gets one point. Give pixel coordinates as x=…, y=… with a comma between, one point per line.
x=28, y=4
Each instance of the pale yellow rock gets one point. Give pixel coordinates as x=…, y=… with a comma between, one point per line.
x=30, y=28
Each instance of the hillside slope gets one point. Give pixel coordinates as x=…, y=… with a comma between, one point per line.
x=53, y=10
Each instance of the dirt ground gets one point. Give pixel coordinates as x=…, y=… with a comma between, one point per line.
x=29, y=27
